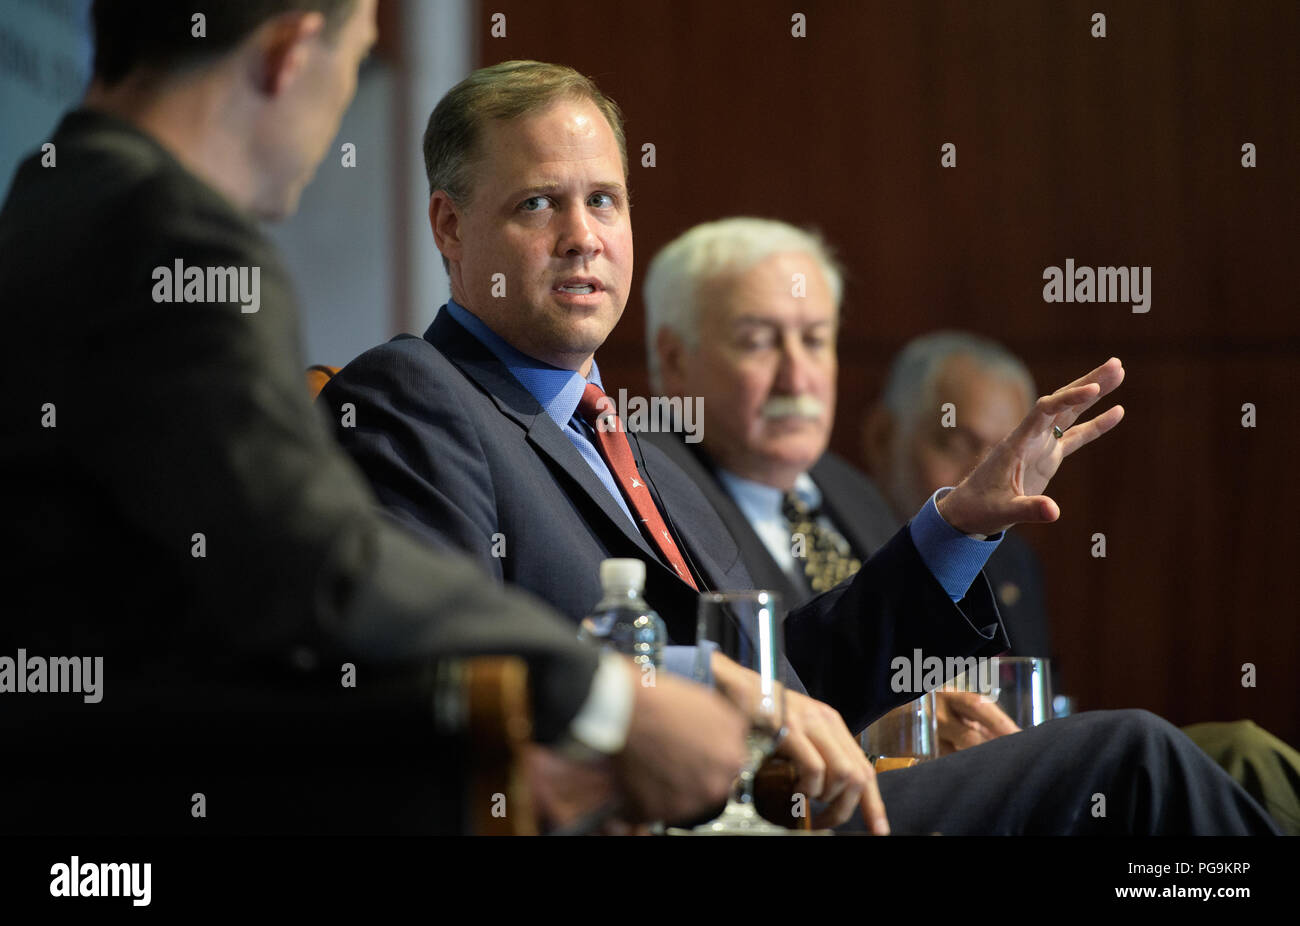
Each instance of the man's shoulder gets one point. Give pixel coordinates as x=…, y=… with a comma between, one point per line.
x=106, y=172
x=111, y=206
x=402, y=354
x=408, y=371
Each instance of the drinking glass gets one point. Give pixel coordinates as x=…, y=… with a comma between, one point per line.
x=908, y=731
x=1023, y=689
x=746, y=628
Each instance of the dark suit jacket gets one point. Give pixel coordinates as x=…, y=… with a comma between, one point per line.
x=455, y=446
x=860, y=512
x=177, y=419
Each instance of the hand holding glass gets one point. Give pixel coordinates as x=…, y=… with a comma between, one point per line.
x=746, y=628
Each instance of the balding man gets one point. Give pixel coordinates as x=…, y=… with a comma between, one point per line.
x=185, y=519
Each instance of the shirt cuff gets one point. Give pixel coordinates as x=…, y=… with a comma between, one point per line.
x=681, y=660
x=953, y=558
x=602, y=722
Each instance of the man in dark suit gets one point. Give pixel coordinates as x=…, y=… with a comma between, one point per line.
x=493, y=433
x=183, y=520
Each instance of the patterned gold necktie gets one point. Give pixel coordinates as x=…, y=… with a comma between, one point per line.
x=827, y=559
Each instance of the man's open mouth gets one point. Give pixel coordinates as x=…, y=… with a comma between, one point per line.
x=578, y=286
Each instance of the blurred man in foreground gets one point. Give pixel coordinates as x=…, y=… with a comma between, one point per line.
x=267, y=641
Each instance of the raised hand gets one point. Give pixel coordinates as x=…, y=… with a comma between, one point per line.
x=1005, y=488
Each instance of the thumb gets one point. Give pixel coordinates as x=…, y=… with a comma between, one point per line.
x=1032, y=509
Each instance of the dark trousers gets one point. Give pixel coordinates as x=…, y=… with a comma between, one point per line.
x=1096, y=773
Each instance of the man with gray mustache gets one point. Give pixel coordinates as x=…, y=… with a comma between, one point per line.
x=793, y=406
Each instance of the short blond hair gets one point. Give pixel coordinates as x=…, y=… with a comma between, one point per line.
x=502, y=91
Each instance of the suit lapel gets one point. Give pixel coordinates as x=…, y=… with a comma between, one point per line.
x=515, y=402
x=764, y=572
x=855, y=506
x=709, y=573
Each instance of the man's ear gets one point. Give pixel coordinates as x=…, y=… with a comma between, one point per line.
x=444, y=219
x=879, y=431
x=671, y=351
x=283, y=44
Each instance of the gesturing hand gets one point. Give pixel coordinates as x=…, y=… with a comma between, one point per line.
x=1004, y=489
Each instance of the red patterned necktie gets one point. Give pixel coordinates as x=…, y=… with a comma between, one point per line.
x=598, y=411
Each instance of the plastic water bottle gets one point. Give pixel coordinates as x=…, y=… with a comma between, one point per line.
x=623, y=621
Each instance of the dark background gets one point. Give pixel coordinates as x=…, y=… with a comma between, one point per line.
x=1123, y=150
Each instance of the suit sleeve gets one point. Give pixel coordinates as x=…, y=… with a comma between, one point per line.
x=843, y=642
x=208, y=443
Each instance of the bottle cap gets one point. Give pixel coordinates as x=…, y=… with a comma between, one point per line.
x=622, y=574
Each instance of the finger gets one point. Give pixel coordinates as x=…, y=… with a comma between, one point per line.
x=838, y=811
x=1089, y=431
x=1025, y=509
x=1072, y=399
x=959, y=704
x=989, y=716
x=860, y=778
x=1109, y=375
x=964, y=731
x=949, y=727
x=971, y=734
x=1106, y=377
x=1048, y=408
x=873, y=807
x=799, y=749
x=948, y=718
x=999, y=724
x=839, y=761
